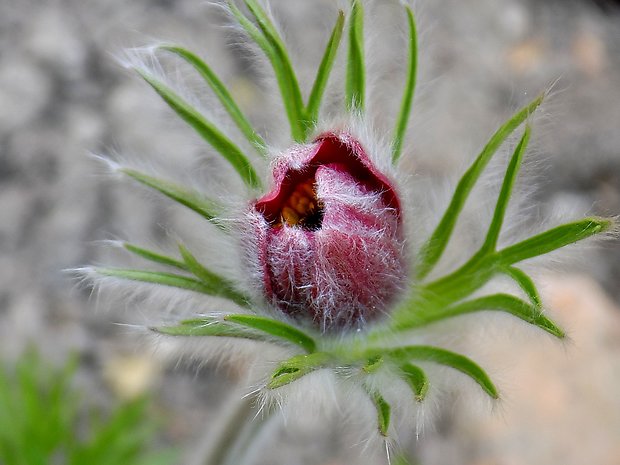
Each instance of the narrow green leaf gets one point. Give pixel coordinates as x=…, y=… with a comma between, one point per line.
x=222, y=93
x=384, y=412
x=267, y=38
x=209, y=326
x=154, y=256
x=447, y=358
x=496, y=302
x=196, y=268
x=164, y=279
x=212, y=280
x=373, y=364
x=416, y=378
x=553, y=239
x=187, y=197
x=296, y=367
x=514, y=306
x=525, y=283
x=483, y=265
x=436, y=244
x=490, y=241
x=239, y=326
x=355, y=90
x=207, y=130
x=252, y=31
x=460, y=283
x=275, y=328
x=405, y=108
x=322, y=75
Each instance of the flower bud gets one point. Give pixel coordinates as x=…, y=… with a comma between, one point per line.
x=330, y=242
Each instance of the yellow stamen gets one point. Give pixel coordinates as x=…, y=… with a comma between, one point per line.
x=300, y=205
x=290, y=216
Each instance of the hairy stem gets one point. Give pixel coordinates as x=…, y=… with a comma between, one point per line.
x=226, y=442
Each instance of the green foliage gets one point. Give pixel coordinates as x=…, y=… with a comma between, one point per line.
x=355, y=90
x=322, y=75
x=442, y=357
x=525, y=283
x=222, y=93
x=182, y=195
x=490, y=242
x=275, y=328
x=302, y=118
x=245, y=326
x=434, y=247
x=554, y=239
x=427, y=314
x=210, y=326
x=405, y=108
x=384, y=411
x=45, y=420
x=399, y=357
x=416, y=378
x=373, y=364
x=204, y=280
x=155, y=257
x=267, y=38
x=216, y=284
x=158, y=277
x=207, y=130
x=298, y=366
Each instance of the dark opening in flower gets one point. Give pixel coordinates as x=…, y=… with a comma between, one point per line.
x=331, y=242
x=300, y=207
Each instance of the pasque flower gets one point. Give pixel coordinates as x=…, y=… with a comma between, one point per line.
x=327, y=267
x=330, y=235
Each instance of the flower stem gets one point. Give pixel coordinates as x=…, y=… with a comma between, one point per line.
x=227, y=442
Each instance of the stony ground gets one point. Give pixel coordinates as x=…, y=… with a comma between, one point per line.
x=62, y=94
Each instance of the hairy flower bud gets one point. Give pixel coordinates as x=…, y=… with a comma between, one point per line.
x=330, y=239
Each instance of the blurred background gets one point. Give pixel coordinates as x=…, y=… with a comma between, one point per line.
x=63, y=95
